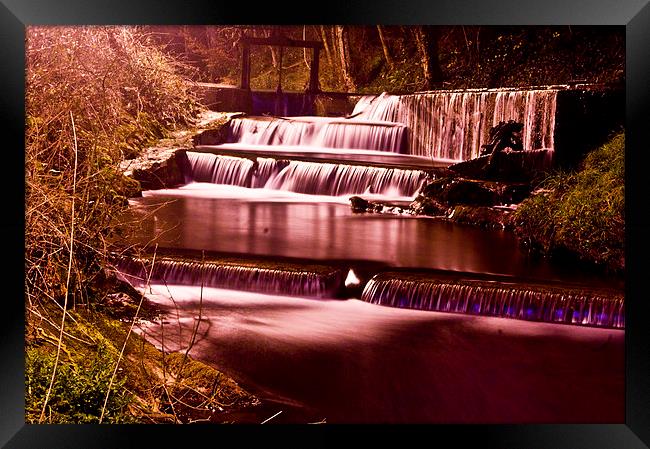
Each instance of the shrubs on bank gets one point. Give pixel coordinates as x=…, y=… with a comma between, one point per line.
x=79, y=389
x=583, y=212
x=94, y=96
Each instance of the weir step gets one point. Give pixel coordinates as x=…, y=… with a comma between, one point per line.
x=552, y=303
x=440, y=291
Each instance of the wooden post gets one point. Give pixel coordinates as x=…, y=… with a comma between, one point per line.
x=313, y=72
x=246, y=67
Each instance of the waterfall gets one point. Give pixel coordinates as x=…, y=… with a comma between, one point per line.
x=506, y=300
x=453, y=125
x=338, y=179
x=320, y=132
x=236, y=277
x=221, y=169
x=304, y=177
x=267, y=168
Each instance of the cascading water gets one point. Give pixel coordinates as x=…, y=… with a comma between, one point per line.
x=220, y=169
x=235, y=277
x=320, y=132
x=339, y=179
x=267, y=168
x=506, y=300
x=304, y=177
x=454, y=125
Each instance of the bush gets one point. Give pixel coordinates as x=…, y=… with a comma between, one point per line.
x=79, y=390
x=583, y=212
x=95, y=95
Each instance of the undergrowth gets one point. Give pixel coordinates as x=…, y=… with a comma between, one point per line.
x=583, y=212
x=150, y=386
x=94, y=96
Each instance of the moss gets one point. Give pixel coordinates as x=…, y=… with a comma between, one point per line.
x=150, y=385
x=581, y=213
x=485, y=217
x=79, y=389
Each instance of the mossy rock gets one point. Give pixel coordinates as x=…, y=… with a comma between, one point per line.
x=484, y=217
x=515, y=166
x=216, y=135
x=428, y=206
x=162, y=174
x=451, y=191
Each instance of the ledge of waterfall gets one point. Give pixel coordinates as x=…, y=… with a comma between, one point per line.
x=161, y=165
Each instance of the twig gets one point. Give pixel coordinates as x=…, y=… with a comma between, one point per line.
x=67, y=282
x=269, y=419
x=198, y=322
x=110, y=384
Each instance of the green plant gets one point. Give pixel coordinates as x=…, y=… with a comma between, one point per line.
x=581, y=212
x=79, y=389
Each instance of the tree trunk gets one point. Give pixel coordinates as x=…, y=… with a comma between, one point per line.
x=426, y=38
x=384, y=46
x=328, y=53
x=272, y=49
x=304, y=50
x=344, y=52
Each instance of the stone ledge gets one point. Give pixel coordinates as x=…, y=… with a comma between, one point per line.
x=163, y=164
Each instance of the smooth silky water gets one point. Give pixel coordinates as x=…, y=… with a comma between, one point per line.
x=264, y=222
x=350, y=360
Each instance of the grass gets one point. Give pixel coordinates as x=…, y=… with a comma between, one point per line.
x=151, y=386
x=581, y=213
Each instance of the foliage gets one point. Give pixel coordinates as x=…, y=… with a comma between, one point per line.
x=95, y=95
x=469, y=56
x=582, y=212
x=79, y=389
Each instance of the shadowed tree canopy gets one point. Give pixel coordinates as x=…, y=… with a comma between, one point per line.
x=401, y=59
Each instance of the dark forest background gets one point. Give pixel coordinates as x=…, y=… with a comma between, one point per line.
x=401, y=59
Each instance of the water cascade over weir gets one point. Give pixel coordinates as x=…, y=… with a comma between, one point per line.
x=453, y=125
x=297, y=155
x=326, y=284
x=303, y=177
x=320, y=132
x=506, y=300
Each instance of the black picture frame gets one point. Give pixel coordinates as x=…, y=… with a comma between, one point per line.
x=15, y=15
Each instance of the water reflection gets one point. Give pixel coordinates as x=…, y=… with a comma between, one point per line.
x=292, y=227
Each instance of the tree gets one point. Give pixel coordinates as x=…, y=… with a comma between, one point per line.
x=344, y=53
x=323, y=35
x=384, y=46
x=426, y=38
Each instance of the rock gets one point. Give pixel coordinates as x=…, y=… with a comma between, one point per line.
x=514, y=166
x=452, y=191
x=358, y=204
x=503, y=136
x=165, y=170
x=423, y=205
x=485, y=217
x=213, y=136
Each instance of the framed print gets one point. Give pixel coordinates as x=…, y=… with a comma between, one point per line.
x=392, y=222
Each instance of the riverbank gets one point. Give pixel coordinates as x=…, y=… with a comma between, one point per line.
x=146, y=385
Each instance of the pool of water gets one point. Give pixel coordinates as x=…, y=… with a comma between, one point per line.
x=347, y=361
x=265, y=222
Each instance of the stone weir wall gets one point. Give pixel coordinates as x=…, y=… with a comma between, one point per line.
x=225, y=98
x=584, y=115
